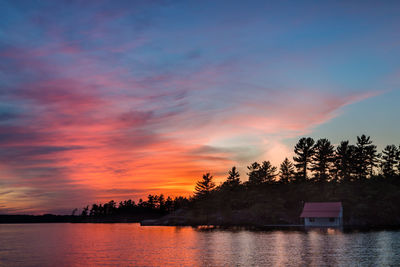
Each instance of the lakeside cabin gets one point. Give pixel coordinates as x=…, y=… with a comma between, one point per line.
x=322, y=214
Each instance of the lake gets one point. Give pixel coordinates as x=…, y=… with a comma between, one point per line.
x=133, y=245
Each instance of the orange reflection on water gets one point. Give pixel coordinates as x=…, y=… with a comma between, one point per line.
x=132, y=245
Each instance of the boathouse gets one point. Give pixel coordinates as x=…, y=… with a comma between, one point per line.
x=322, y=214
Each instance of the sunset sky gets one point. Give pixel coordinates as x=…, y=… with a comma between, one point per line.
x=104, y=100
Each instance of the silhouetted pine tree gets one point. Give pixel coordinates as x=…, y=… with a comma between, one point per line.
x=389, y=160
x=233, y=180
x=372, y=159
x=268, y=172
x=322, y=160
x=344, y=161
x=304, y=150
x=151, y=202
x=109, y=208
x=286, y=171
x=254, y=173
x=169, y=204
x=161, y=203
x=204, y=186
x=259, y=174
x=362, y=159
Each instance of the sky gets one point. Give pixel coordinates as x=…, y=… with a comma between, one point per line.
x=104, y=100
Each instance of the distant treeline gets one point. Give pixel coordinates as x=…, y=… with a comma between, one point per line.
x=155, y=205
x=45, y=218
x=367, y=182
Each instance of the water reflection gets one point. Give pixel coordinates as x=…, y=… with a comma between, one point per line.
x=132, y=245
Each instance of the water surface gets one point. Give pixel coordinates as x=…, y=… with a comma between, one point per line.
x=132, y=245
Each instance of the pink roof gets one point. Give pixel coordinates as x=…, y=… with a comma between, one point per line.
x=321, y=209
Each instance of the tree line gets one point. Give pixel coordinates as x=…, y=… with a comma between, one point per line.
x=155, y=205
x=317, y=161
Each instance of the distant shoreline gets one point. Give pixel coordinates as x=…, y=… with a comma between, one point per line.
x=50, y=218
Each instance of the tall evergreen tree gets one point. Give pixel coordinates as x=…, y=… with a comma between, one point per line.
x=233, y=180
x=322, y=160
x=372, y=159
x=389, y=160
x=344, y=161
x=365, y=157
x=151, y=201
x=267, y=172
x=286, y=171
x=169, y=204
x=304, y=150
x=254, y=173
x=264, y=173
x=161, y=203
x=204, y=186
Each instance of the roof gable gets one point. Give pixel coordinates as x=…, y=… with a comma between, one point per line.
x=321, y=209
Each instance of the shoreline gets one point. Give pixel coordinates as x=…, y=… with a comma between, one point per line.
x=180, y=222
x=301, y=228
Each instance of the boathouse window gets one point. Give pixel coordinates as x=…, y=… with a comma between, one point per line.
x=331, y=219
x=311, y=219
